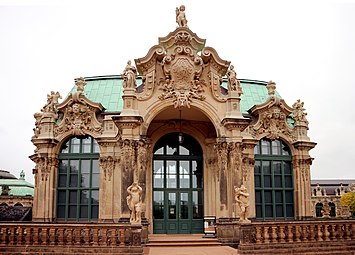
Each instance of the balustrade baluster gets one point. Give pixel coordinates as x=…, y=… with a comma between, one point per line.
x=289, y=234
x=35, y=235
x=297, y=233
x=61, y=236
x=52, y=236
x=77, y=236
x=266, y=234
x=28, y=234
x=11, y=235
x=347, y=231
x=122, y=236
x=311, y=232
x=304, y=233
x=282, y=234
x=86, y=239
x=69, y=236
x=20, y=235
x=319, y=233
x=104, y=236
x=95, y=237
x=352, y=231
x=274, y=234
x=332, y=232
x=326, y=232
x=258, y=235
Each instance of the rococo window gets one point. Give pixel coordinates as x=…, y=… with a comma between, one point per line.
x=273, y=177
x=78, y=180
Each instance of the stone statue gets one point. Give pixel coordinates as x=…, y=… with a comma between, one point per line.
x=233, y=83
x=271, y=86
x=134, y=201
x=129, y=74
x=80, y=84
x=242, y=198
x=52, y=102
x=298, y=111
x=326, y=210
x=180, y=16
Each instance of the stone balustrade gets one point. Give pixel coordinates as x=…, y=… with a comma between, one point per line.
x=297, y=236
x=70, y=235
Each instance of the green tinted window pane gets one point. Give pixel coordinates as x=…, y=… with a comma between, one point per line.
x=96, y=147
x=63, y=164
x=268, y=197
x=258, y=197
x=289, y=196
x=288, y=182
x=159, y=151
x=74, y=166
x=75, y=145
x=158, y=171
x=73, y=180
x=276, y=147
x=84, y=211
x=65, y=147
x=158, y=198
x=158, y=212
x=257, y=180
x=267, y=181
x=257, y=167
x=72, y=212
x=257, y=149
x=95, y=197
x=62, y=182
x=258, y=211
x=287, y=168
x=183, y=150
x=61, y=211
x=278, y=196
x=85, y=166
x=265, y=147
x=62, y=197
x=95, y=181
x=184, y=205
x=289, y=211
x=171, y=150
x=266, y=167
x=278, y=181
x=84, y=197
x=85, y=181
x=73, y=197
x=94, y=211
x=184, y=173
x=95, y=166
x=276, y=165
x=279, y=211
x=285, y=150
x=268, y=211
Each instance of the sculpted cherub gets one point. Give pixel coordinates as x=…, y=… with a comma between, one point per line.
x=180, y=16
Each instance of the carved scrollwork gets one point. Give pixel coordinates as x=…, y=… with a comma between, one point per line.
x=44, y=166
x=107, y=163
x=273, y=123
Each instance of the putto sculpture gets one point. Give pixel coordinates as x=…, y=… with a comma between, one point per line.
x=242, y=199
x=180, y=16
x=129, y=75
x=134, y=202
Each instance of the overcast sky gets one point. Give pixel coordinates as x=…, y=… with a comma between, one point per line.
x=306, y=47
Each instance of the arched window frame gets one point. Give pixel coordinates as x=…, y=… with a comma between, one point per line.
x=78, y=200
x=273, y=179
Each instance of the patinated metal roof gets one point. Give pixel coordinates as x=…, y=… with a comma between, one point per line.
x=108, y=91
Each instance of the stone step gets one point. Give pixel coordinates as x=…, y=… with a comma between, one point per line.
x=181, y=240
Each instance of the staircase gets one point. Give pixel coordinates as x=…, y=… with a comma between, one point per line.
x=194, y=240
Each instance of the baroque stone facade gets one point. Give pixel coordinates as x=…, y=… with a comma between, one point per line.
x=184, y=89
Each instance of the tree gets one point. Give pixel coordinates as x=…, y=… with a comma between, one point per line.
x=348, y=199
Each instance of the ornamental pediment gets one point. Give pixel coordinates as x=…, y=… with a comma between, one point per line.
x=180, y=68
x=271, y=119
x=78, y=115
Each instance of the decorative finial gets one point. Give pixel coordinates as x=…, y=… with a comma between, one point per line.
x=80, y=83
x=22, y=175
x=271, y=86
x=180, y=16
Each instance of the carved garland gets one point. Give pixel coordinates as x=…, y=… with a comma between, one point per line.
x=44, y=166
x=107, y=163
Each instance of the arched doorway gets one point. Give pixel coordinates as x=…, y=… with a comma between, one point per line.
x=177, y=185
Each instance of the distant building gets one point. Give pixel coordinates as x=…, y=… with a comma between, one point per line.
x=326, y=196
x=16, y=197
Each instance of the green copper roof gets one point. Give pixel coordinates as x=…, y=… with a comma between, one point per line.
x=18, y=187
x=108, y=91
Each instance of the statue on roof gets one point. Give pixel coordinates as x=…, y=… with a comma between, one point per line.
x=271, y=86
x=180, y=16
x=233, y=83
x=129, y=76
x=299, y=112
x=80, y=84
x=52, y=102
